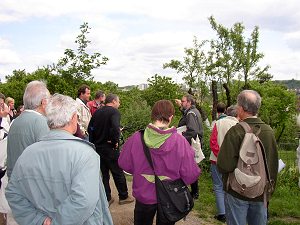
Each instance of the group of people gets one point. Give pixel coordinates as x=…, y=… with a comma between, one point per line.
x=61, y=152
x=7, y=114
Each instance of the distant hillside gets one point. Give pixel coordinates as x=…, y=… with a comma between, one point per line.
x=290, y=84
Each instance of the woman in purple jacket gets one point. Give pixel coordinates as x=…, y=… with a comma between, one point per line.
x=172, y=157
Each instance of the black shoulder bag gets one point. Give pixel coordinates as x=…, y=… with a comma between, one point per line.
x=174, y=200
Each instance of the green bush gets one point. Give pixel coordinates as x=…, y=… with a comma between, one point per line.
x=288, y=177
x=205, y=163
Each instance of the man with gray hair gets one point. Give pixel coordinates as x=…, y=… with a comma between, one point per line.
x=57, y=180
x=31, y=125
x=241, y=210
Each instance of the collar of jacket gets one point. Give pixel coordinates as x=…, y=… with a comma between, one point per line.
x=253, y=120
x=192, y=107
x=59, y=134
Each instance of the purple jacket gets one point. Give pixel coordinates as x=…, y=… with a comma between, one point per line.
x=174, y=159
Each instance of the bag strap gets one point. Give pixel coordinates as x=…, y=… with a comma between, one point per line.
x=146, y=151
x=248, y=129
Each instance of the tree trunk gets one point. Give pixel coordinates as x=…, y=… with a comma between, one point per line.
x=228, y=97
x=214, y=91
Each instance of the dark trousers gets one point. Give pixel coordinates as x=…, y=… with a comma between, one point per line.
x=144, y=214
x=195, y=188
x=109, y=162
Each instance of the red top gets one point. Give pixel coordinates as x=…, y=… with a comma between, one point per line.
x=93, y=106
x=214, y=146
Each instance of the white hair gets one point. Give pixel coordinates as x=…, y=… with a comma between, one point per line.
x=34, y=93
x=59, y=111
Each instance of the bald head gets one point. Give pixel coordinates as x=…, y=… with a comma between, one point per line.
x=250, y=101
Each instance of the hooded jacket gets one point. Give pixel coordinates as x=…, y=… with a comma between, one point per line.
x=172, y=157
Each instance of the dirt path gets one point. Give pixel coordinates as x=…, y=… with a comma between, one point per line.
x=123, y=214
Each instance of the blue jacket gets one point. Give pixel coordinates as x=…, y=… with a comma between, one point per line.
x=26, y=129
x=58, y=177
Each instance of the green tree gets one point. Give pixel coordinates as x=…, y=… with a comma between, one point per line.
x=161, y=87
x=192, y=66
x=226, y=61
x=16, y=83
x=250, y=58
x=237, y=57
x=78, y=65
x=278, y=109
x=135, y=112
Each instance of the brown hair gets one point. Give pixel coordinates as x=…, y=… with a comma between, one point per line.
x=82, y=89
x=221, y=107
x=162, y=110
x=2, y=96
x=99, y=94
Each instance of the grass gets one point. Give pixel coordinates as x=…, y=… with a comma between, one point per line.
x=288, y=157
x=284, y=208
x=205, y=205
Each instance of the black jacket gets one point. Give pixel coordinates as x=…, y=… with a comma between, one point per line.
x=104, y=127
x=192, y=119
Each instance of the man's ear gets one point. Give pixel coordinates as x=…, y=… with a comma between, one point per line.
x=75, y=117
x=44, y=102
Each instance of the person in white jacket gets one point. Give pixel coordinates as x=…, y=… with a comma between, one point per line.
x=217, y=136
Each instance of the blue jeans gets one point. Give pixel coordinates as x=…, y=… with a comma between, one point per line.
x=218, y=189
x=239, y=212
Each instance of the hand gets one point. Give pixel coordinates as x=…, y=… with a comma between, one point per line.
x=178, y=102
x=47, y=221
x=4, y=110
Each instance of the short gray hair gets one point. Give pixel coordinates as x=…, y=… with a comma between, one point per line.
x=250, y=101
x=59, y=111
x=34, y=93
x=232, y=111
x=110, y=97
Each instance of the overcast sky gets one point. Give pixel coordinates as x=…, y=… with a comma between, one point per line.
x=139, y=36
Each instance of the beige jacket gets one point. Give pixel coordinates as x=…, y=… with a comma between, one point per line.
x=84, y=116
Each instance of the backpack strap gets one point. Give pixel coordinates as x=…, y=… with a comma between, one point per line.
x=248, y=129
